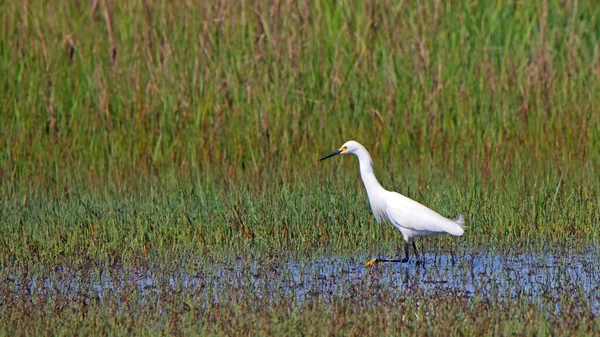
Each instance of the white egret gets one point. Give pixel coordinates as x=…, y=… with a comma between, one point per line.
x=411, y=218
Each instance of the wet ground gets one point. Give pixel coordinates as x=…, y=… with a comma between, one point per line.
x=537, y=278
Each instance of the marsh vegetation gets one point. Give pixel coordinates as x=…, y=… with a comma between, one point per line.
x=159, y=167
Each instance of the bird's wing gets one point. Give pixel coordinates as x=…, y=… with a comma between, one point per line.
x=407, y=213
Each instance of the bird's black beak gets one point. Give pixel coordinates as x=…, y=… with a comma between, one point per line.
x=334, y=153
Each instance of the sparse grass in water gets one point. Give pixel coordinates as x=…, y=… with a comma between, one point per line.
x=140, y=130
x=483, y=293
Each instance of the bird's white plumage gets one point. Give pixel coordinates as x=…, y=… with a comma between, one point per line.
x=411, y=218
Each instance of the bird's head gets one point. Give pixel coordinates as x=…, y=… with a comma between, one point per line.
x=348, y=147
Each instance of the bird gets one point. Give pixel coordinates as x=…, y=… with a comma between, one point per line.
x=411, y=218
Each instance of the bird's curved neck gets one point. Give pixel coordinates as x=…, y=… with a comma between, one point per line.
x=366, y=172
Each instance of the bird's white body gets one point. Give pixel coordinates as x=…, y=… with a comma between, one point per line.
x=411, y=218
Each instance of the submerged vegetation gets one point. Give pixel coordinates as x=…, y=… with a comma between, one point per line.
x=139, y=133
x=481, y=294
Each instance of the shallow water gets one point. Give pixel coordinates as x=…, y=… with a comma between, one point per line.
x=483, y=276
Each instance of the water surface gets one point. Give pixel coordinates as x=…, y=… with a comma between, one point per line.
x=538, y=278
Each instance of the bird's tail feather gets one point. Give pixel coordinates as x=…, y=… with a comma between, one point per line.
x=460, y=220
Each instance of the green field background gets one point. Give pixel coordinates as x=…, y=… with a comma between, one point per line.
x=151, y=126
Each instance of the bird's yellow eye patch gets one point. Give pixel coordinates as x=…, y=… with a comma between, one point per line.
x=343, y=148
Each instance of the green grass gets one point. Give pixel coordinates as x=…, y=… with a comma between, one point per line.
x=150, y=127
x=204, y=130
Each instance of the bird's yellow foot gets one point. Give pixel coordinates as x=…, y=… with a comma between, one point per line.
x=372, y=262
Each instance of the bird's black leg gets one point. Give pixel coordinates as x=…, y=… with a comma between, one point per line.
x=415, y=248
x=420, y=258
x=405, y=259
